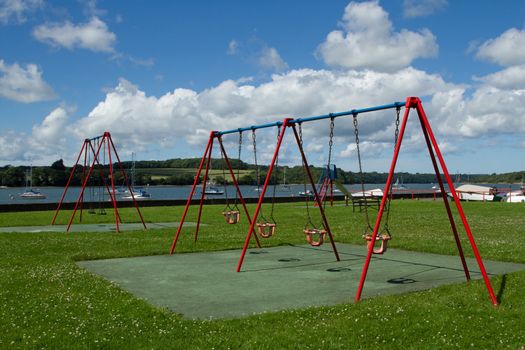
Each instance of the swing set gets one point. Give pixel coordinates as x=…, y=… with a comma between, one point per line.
x=373, y=234
x=93, y=152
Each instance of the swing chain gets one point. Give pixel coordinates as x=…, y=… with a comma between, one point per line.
x=356, y=132
x=257, y=173
x=396, y=137
x=275, y=177
x=396, y=134
x=331, y=142
x=306, y=195
x=238, y=165
x=223, y=166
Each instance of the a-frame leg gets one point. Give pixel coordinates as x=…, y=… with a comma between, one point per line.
x=261, y=195
x=81, y=195
x=236, y=184
x=190, y=197
x=203, y=190
x=82, y=150
x=416, y=103
x=445, y=200
x=383, y=202
x=126, y=181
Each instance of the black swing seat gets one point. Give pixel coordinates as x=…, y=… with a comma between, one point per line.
x=311, y=233
x=231, y=216
x=383, y=238
x=266, y=229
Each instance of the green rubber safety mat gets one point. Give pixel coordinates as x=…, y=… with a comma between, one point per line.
x=206, y=286
x=108, y=227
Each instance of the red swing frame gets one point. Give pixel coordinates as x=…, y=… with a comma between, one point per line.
x=88, y=148
x=434, y=151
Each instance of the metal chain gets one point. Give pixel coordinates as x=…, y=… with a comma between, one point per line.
x=275, y=176
x=396, y=137
x=238, y=168
x=257, y=172
x=331, y=141
x=308, y=216
x=356, y=132
x=396, y=133
x=330, y=146
x=223, y=166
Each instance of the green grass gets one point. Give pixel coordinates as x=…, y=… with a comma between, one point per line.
x=158, y=173
x=46, y=301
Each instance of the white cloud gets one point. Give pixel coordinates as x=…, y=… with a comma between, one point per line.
x=489, y=111
x=369, y=41
x=16, y=10
x=190, y=115
x=421, y=8
x=505, y=50
x=508, y=78
x=50, y=134
x=45, y=144
x=271, y=59
x=23, y=84
x=93, y=35
x=12, y=146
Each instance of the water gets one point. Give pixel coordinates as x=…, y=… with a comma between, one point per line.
x=11, y=195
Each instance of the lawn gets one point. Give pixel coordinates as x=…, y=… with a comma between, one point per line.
x=163, y=173
x=46, y=301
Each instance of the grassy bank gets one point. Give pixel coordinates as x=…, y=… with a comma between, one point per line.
x=47, y=301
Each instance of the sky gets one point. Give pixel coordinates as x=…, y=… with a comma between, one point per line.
x=159, y=75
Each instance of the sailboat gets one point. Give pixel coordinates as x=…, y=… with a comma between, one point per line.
x=138, y=193
x=30, y=192
x=399, y=186
x=284, y=186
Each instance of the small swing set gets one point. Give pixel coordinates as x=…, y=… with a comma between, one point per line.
x=316, y=235
x=93, y=152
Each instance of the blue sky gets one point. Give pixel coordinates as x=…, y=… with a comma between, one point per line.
x=159, y=75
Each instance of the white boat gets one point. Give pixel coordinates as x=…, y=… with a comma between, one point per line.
x=515, y=196
x=306, y=193
x=30, y=192
x=376, y=192
x=213, y=191
x=476, y=193
x=399, y=186
x=138, y=193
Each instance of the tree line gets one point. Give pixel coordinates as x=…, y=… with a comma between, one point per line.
x=172, y=173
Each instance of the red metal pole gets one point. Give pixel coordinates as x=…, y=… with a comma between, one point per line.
x=445, y=201
x=95, y=158
x=261, y=195
x=422, y=115
x=383, y=201
x=234, y=180
x=105, y=140
x=188, y=202
x=316, y=194
x=67, y=184
x=208, y=163
x=125, y=181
